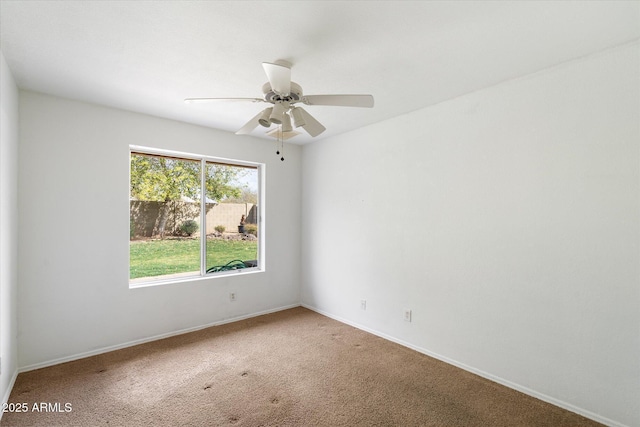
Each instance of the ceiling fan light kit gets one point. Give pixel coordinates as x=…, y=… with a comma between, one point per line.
x=298, y=120
x=279, y=109
x=264, y=117
x=283, y=94
x=286, y=123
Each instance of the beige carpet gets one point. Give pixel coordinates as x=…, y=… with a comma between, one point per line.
x=291, y=368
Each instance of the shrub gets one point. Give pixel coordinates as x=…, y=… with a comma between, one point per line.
x=220, y=228
x=189, y=227
x=251, y=229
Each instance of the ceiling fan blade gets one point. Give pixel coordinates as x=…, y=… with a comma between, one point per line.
x=365, y=101
x=312, y=126
x=194, y=100
x=279, y=77
x=250, y=125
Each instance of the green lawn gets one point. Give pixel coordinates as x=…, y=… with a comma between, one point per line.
x=160, y=257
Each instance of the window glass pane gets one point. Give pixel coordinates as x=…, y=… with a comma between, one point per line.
x=164, y=214
x=231, y=217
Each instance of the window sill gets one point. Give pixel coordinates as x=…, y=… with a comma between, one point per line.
x=189, y=277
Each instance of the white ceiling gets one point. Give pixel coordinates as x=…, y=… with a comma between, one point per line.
x=147, y=56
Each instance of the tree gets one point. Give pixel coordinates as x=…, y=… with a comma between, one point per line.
x=221, y=181
x=247, y=195
x=165, y=179
x=162, y=179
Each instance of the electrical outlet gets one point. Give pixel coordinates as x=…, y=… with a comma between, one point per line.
x=407, y=315
x=363, y=304
x=232, y=296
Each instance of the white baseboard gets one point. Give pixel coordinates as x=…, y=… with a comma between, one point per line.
x=506, y=383
x=7, y=393
x=145, y=340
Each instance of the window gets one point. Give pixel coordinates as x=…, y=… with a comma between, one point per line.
x=192, y=216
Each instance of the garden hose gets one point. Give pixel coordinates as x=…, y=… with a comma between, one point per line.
x=236, y=264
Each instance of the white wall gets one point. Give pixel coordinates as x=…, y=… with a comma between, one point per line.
x=518, y=243
x=74, y=230
x=8, y=229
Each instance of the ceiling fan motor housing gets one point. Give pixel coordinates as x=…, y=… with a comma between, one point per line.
x=271, y=96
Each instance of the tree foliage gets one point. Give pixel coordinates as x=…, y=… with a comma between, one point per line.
x=246, y=196
x=221, y=181
x=163, y=179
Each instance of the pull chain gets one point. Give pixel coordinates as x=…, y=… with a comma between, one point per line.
x=282, y=147
x=280, y=139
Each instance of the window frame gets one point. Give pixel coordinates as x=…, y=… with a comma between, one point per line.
x=204, y=159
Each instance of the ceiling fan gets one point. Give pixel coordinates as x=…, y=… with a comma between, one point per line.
x=284, y=94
